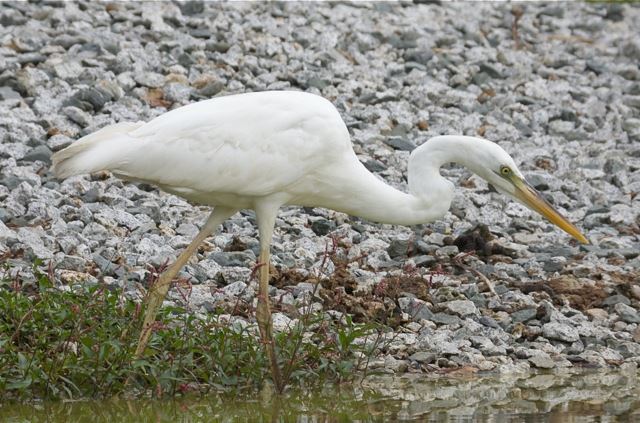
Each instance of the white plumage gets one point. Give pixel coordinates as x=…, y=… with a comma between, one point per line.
x=269, y=149
x=224, y=151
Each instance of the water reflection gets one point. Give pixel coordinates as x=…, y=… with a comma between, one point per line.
x=561, y=397
x=571, y=396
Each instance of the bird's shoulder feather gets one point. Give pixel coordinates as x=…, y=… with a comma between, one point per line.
x=251, y=144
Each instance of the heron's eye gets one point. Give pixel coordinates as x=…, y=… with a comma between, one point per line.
x=505, y=171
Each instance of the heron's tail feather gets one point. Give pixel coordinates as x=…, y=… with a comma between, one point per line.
x=100, y=150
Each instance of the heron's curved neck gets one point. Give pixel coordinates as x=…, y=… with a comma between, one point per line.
x=375, y=200
x=358, y=192
x=426, y=160
x=425, y=181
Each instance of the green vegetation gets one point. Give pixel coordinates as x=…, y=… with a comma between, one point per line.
x=79, y=342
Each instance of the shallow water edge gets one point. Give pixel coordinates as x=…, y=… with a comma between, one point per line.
x=572, y=395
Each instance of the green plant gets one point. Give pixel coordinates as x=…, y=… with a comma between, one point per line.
x=78, y=342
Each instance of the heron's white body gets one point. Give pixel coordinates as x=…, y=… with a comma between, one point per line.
x=267, y=148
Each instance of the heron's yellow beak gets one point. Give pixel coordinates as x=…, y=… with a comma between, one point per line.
x=534, y=200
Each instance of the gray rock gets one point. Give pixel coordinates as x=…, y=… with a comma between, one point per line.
x=627, y=314
x=41, y=153
x=632, y=127
x=575, y=348
x=635, y=291
x=424, y=261
x=58, y=142
x=479, y=300
x=627, y=349
x=554, y=264
x=423, y=357
x=176, y=92
x=552, y=10
x=204, y=33
x=322, y=227
x=615, y=12
x=302, y=288
x=78, y=116
x=104, y=264
x=191, y=8
x=445, y=319
x=234, y=258
x=399, y=248
x=489, y=322
x=448, y=251
x=281, y=322
x=616, y=299
x=187, y=229
x=491, y=70
x=610, y=355
x=218, y=46
x=235, y=289
x=394, y=365
x=318, y=83
x=34, y=245
x=501, y=289
x=421, y=56
x=596, y=66
x=211, y=89
x=542, y=361
x=90, y=99
x=210, y=268
x=113, y=216
x=486, y=346
x=7, y=234
x=149, y=79
x=592, y=358
x=28, y=80
x=632, y=49
x=68, y=70
x=461, y=307
x=524, y=315
x=111, y=88
x=400, y=143
x=91, y=196
x=440, y=343
x=373, y=165
x=417, y=309
x=7, y=93
x=73, y=263
x=197, y=274
x=5, y=215
x=560, y=331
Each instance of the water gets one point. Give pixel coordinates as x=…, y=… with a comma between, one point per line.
x=567, y=397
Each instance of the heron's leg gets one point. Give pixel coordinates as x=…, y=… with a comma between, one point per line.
x=266, y=222
x=158, y=291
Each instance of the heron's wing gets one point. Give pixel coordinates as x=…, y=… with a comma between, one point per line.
x=252, y=145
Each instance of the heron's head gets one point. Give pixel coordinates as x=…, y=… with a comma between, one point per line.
x=492, y=163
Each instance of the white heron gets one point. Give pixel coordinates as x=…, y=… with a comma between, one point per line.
x=265, y=150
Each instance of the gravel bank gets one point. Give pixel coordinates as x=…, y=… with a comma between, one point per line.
x=558, y=86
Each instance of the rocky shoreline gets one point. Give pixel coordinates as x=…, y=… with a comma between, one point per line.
x=558, y=86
